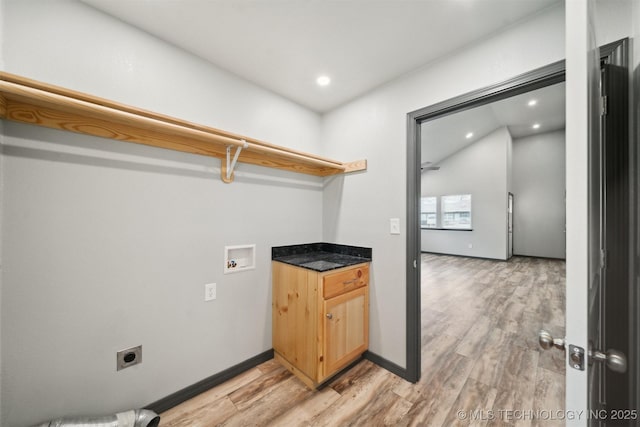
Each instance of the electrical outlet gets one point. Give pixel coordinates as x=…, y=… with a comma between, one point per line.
x=470, y=245
x=129, y=357
x=209, y=291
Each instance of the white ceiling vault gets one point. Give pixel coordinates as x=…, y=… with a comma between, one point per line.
x=445, y=136
x=284, y=45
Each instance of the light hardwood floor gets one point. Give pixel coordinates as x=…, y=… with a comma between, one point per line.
x=480, y=321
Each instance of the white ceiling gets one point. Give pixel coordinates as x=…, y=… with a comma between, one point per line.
x=284, y=45
x=445, y=136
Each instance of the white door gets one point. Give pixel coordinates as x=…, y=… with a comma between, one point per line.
x=596, y=381
x=582, y=125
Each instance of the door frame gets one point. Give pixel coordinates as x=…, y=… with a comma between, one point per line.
x=536, y=79
x=526, y=82
x=620, y=391
x=510, y=205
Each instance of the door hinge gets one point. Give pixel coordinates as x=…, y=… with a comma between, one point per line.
x=603, y=259
x=604, y=101
x=415, y=264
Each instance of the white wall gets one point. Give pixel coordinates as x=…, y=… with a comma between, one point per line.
x=539, y=187
x=108, y=245
x=480, y=169
x=357, y=208
x=613, y=19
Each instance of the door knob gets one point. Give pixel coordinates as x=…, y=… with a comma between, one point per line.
x=615, y=360
x=546, y=340
x=329, y=316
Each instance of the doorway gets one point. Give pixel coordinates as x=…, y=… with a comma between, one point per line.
x=536, y=79
x=474, y=164
x=546, y=76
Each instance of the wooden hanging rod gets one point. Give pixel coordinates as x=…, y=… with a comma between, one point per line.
x=28, y=101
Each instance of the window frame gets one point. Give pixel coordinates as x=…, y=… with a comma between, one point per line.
x=443, y=212
x=423, y=212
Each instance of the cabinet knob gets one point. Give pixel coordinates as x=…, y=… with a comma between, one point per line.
x=329, y=316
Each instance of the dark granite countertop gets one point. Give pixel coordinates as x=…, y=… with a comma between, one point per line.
x=321, y=256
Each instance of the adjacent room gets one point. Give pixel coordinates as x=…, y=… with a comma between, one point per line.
x=493, y=179
x=492, y=237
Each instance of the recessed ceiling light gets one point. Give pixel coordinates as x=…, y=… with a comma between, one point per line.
x=469, y=135
x=323, y=80
x=536, y=126
x=532, y=102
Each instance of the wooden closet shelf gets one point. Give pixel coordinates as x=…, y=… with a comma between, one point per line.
x=28, y=101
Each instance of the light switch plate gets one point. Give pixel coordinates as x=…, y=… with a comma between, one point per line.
x=394, y=225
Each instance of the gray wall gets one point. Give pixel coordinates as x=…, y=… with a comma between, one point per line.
x=108, y=245
x=481, y=169
x=539, y=190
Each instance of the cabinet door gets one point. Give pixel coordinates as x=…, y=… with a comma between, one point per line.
x=295, y=316
x=346, y=327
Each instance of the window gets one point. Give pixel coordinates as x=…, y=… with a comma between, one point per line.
x=429, y=212
x=456, y=211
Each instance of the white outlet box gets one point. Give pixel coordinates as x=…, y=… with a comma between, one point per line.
x=209, y=291
x=470, y=245
x=394, y=225
x=239, y=258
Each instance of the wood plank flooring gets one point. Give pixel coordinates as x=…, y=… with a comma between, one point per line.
x=480, y=321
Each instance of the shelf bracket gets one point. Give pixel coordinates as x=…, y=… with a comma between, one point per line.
x=227, y=172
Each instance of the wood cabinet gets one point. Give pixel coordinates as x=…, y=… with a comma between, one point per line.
x=320, y=320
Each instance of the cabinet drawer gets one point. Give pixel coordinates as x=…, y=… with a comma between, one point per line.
x=338, y=283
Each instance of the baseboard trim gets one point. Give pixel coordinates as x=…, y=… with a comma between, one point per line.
x=386, y=364
x=193, y=390
x=541, y=257
x=463, y=256
x=493, y=259
x=326, y=382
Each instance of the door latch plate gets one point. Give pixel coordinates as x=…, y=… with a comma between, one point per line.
x=576, y=357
